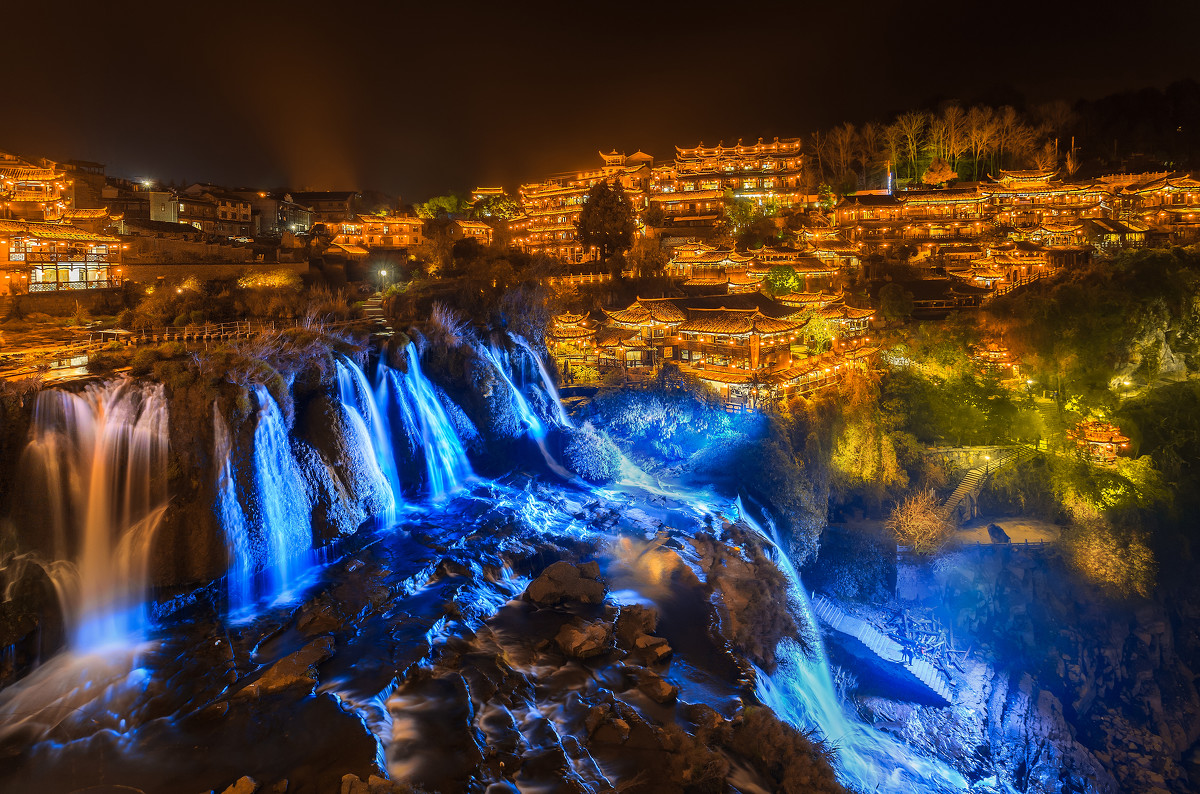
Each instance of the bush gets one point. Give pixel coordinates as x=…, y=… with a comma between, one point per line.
x=919, y=523
x=181, y=320
x=590, y=454
x=143, y=361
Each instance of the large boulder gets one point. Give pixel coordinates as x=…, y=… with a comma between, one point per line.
x=563, y=581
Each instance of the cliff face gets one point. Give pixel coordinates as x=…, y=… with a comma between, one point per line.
x=1092, y=678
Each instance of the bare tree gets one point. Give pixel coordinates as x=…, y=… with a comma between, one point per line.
x=1045, y=158
x=954, y=121
x=912, y=132
x=870, y=146
x=893, y=141
x=818, y=144
x=980, y=129
x=843, y=143
x=920, y=523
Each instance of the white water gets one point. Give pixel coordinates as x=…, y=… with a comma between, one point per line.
x=547, y=382
x=282, y=525
x=104, y=458
x=364, y=410
x=534, y=427
x=801, y=692
x=239, y=581
x=446, y=464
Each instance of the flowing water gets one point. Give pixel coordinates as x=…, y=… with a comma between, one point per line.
x=446, y=464
x=280, y=521
x=534, y=427
x=103, y=456
x=239, y=581
x=107, y=449
x=360, y=402
x=801, y=691
x=561, y=417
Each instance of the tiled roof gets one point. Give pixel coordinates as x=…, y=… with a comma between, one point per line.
x=743, y=321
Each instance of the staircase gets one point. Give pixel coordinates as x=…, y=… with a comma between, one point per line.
x=373, y=309
x=883, y=647
x=972, y=481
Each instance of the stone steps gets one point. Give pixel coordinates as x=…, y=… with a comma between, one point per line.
x=882, y=646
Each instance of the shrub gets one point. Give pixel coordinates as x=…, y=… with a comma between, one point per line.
x=143, y=361
x=920, y=523
x=590, y=454
x=181, y=320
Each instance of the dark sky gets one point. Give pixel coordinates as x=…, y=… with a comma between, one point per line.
x=419, y=99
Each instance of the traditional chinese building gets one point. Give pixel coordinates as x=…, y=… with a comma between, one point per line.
x=47, y=257
x=551, y=208
x=358, y=237
x=1099, y=441
x=31, y=190
x=747, y=346
x=476, y=230
x=691, y=191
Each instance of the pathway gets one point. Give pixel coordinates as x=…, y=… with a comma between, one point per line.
x=883, y=647
x=972, y=481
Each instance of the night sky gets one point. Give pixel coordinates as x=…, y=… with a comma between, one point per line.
x=419, y=99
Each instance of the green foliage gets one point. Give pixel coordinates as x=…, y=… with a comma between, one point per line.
x=442, y=207
x=963, y=410
x=606, y=221
x=501, y=207
x=783, y=279
x=825, y=197
x=647, y=257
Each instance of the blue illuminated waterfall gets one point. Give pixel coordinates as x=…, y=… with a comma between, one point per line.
x=361, y=405
x=534, y=427
x=103, y=459
x=446, y=464
x=281, y=523
x=239, y=581
x=547, y=382
x=801, y=692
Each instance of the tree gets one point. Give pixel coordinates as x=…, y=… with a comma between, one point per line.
x=912, y=137
x=919, y=523
x=654, y=215
x=647, y=257
x=499, y=206
x=825, y=197
x=819, y=331
x=895, y=302
x=938, y=173
x=783, y=279
x=981, y=134
x=606, y=223
x=442, y=207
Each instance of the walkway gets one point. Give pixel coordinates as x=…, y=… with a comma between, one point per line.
x=972, y=481
x=884, y=647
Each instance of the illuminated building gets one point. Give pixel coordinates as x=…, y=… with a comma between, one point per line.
x=1166, y=202
x=1030, y=198
x=994, y=357
x=273, y=215
x=551, y=208
x=328, y=206
x=691, y=190
x=233, y=211
x=707, y=268
x=31, y=190
x=1099, y=441
x=46, y=257
x=366, y=233
x=748, y=346
x=477, y=230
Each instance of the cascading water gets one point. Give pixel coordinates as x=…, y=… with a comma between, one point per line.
x=801, y=692
x=282, y=523
x=446, y=464
x=240, y=578
x=104, y=457
x=563, y=420
x=534, y=427
x=360, y=403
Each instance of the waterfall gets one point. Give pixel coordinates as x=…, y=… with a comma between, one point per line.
x=364, y=411
x=547, y=381
x=534, y=427
x=103, y=457
x=446, y=464
x=239, y=580
x=801, y=692
x=280, y=498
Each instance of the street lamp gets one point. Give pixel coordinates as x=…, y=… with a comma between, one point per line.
x=987, y=465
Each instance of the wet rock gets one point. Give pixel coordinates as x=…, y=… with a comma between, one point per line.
x=582, y=640
x=633, y=622
x=353, y=784
x=997, y=534
x=655, y=687
x=653, y=649
x=244, y=785
x=295, y=671
x=563, y=581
